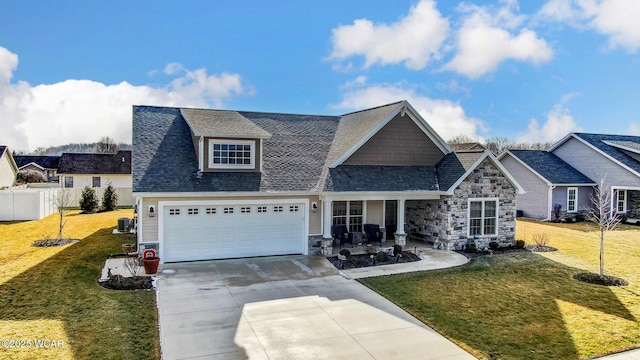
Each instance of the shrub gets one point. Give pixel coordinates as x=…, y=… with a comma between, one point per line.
x=519, y=244
x=29, y=176
x=541, y=239
x=88, y=199
x=471, y=248
x=382, y=257
x=396, y=249
x=494, y=245
x=109, y=198
x=345, y=252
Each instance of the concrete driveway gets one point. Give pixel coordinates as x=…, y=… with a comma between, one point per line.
x=289, y=307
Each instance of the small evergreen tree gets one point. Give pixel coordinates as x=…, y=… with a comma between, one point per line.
x=88, y=200
x=109, y=198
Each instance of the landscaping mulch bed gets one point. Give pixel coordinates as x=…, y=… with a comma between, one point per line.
x=527, y=248
x=53, y=242
x=119, y=282
x=364, y=260
x=597, y=279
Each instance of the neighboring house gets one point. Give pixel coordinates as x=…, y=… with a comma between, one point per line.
x=8, y=168
x=614, y=157
x=217, y=184
x=47, y=165
x=77, y=170
x=468, y=147
x=548, y=181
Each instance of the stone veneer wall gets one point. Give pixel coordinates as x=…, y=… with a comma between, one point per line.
x=446, y=220
x=633, y=204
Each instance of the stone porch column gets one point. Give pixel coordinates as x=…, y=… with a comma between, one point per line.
x=401, y=237
x=327, y=239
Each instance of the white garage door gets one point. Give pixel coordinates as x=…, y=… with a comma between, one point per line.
x=220, y=231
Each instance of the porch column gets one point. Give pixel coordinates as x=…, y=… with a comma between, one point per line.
x=401, y=237
x=327, y=239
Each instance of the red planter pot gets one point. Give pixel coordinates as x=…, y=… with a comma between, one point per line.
x=151, y=265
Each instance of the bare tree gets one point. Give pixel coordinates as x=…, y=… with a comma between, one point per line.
x=63, y=201
x=498, y=144
x=601, y=214
x=461, y=139
x=106, y=145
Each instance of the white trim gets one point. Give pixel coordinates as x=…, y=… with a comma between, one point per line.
x=252, y=146
x=549, y=202
x=201, y=150
x=163, y=204
x=498, y=164
x=261, y=154
x=497, y=217
x=402, y=110
x=34, y=164
x=621, y=147
x=140, y=203
x=575, y=210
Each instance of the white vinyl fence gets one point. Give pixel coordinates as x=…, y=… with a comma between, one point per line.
x=27, y=204
x=39, y=200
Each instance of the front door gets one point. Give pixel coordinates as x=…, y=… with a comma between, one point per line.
x=391, y=218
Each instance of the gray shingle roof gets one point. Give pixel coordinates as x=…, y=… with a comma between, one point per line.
x=165, y=159
x=381, y=178
x=221, y=123
x=82, y=163
x=296, y=157
x=46, y=162
x=551, y=167
x=450, y=169
x=600, y=142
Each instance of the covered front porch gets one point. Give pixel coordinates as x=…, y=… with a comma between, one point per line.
x=348, y=221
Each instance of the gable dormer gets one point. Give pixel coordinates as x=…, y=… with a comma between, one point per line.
x=225, y=140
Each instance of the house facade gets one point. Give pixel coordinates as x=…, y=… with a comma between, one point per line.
x=616, y=158
x=77, y=170
x=47, y=165
x=8, y=168
x=214, y=184
x=553, y=187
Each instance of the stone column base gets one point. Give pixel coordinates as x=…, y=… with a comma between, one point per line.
x=401, y=239
x=327, y=247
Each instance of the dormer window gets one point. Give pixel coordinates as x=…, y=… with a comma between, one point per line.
x=231, y=154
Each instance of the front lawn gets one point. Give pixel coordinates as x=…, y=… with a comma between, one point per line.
x=526, y=305
x=50, y=297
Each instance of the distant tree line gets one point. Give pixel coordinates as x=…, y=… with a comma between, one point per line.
x=104, y=145
x=499, y=144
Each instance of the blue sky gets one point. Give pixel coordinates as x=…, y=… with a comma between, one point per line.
x=531, y=71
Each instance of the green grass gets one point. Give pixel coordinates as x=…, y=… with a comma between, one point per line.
x=527, y=306
x=53, y=293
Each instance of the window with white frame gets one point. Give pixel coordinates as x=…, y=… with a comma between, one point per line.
x=96, y=181
x=231, y=154
x=483, y=217
x=348, y=213
x=572, y=199
x=68, y=181
x=621, y=201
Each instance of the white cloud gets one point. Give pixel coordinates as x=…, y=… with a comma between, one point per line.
x=616, y=19
x=85, y=110
x=487, y=38
x=634, y=129
x=413, y=40
x=446, y=117
x=559, y=123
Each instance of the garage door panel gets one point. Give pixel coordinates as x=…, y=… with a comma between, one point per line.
x=215, y=231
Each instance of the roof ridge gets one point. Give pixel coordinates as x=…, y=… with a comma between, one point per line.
x=373, y=108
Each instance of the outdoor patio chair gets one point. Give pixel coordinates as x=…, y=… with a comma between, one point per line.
x=342, y=235
x=373, y=233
